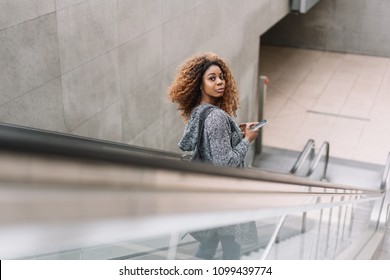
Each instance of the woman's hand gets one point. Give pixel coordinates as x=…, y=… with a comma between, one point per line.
x=250, y=135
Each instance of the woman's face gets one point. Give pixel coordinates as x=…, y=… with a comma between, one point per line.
x=213, y=84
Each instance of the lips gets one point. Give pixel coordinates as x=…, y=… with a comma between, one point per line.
x=220, y=90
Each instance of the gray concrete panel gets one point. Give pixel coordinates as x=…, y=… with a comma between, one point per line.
x=13, y=12
x=172, y=123
x=61, y=4
x=40, y=108
x=180, y=38
x=151, y=136
x=142, y=107
x=376, y=7
x=28, y=56
x=374, y=44
x=86, y=31
x=140, y=59
x=105, y=125
x=355, y=26
x=90, y=89
x=134, y=17
x=174, y=8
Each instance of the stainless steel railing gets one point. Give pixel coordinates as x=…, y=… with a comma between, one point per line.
x=307, y=151
x=31, y=140
x=157, y=194
x=324, y=149
x=386, y=174
x=158, y=201
x=384, y=212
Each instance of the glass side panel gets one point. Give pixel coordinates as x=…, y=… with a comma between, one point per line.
x=317, y=234
x=323, y=234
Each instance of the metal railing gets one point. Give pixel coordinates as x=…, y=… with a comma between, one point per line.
x=386, y=198
x=307, y=151
x=388, y=217
x=157, y=195
x=324, y=149
x=32, y=140
x=386, y=174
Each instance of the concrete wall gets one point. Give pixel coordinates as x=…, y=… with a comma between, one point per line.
x=352, y=26
x=100, y=68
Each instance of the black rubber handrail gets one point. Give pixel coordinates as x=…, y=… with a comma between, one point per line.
x=43, y=141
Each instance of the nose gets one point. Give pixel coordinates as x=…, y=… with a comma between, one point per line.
x=219, y=81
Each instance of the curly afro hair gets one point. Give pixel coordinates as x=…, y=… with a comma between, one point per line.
x=185, y=88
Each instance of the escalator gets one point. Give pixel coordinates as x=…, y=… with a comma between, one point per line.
x=68, y=197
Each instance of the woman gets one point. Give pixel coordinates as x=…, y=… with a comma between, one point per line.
x=205, y=81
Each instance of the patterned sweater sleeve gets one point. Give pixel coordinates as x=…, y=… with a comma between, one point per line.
x=219, y=133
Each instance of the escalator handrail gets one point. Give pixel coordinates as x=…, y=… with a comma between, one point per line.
x=309, y=148
x=23, y=140
x=26, y=140
x=45, y=141
x=386, y=174
x=324, y=148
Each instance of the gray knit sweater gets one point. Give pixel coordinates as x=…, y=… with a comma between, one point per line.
x=222, y=142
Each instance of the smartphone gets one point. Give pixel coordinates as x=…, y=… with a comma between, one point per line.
x=258, y=125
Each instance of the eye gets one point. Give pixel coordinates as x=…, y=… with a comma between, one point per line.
x=212, y=78
x=222, y=77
